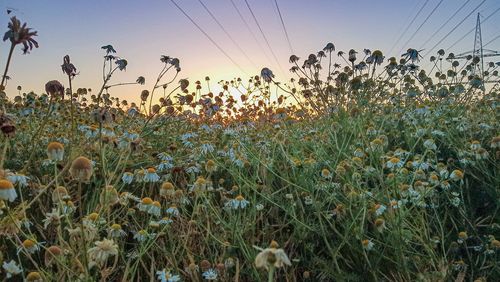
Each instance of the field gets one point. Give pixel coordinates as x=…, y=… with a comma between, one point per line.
x=361, y=169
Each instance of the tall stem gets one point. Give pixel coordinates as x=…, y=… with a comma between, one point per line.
x=12, y=46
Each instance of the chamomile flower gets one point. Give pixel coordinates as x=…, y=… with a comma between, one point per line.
x=367, y=244
x=475, y=145
x=55, y=151
x=145, y=204
x=103, y=250
x=164, y=166
x=7, y=190
x=151, y=175
x=456, y=175
x=165, y=221
x=19, y=179
x=430, y=144
x=272, y=256
x=81, y=169
x=143, y=235
x=155, y=209
x=11, y=268
x=394, y=163
x=167, y=189
x=172, y=211
x=30, y=246
x=166, y=276
x=116, y=231
x=210, y=274
x=379, y=209
x=495, y=142
x=127, y=177
x=237, y=203
x=326, y=174
x=206, y=148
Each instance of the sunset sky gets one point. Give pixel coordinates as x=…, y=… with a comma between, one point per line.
x=142, y=31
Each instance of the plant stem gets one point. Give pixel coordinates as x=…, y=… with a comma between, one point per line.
x=12, y=46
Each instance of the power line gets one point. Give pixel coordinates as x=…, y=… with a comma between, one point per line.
x=283, y=25
x=264, y=36
x=495, y=38
x=444, y=24
x=209, y=38
x=227, y=33
x=470, y=31
x=408, y=27
x=454, y=28
x=418, y=29
x=250, y=30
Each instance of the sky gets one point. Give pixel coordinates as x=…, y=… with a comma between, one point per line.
x=142, y=31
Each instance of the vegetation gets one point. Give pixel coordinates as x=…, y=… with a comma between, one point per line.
x=364, y=169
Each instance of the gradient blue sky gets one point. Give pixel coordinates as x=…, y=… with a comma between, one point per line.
x=141, y=31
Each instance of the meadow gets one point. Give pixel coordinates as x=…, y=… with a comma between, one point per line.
x=359, y=168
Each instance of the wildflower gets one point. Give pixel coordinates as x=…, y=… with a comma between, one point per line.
x=475, y=145
x=67, y=207
x=20, y=179
x=430, y=144
x=237, y=203
x=210, y=274
x=271, y=257
x=103, y=250
x=34, y=276
x=59, y=194
x=151, y=176
x=456, y=175
x=259, y=207
x=495, y=244
x=52, y=254
x=54, y=88
x=266, y=74
x=367, y=244
x=379, y=209
x=200, y=184
x=481, y=154
x=325, y=173
x=164, y=166
x=145, y=204
x=81, y=169
x=394, y=163
x=109, y=196
x=165, y=220
x=55, y=151
x=376, y=144
x=434, y=178
x=206, y=148
x=210, y=166
x=51, y=218
x=166, y=276
x=143, y=235
x=116, y=231
x=167, y=189
x=308, y=200
x=11, y=268
x=359, y=153
x=7, y=191
x=380, y=224
x=495, y=142
x=173, y=211
x=30, y=246
x=127, y=177
x=155, y=209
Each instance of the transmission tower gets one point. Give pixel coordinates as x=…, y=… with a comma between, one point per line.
x=478, y=54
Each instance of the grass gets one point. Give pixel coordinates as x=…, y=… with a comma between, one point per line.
x=376, y=174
